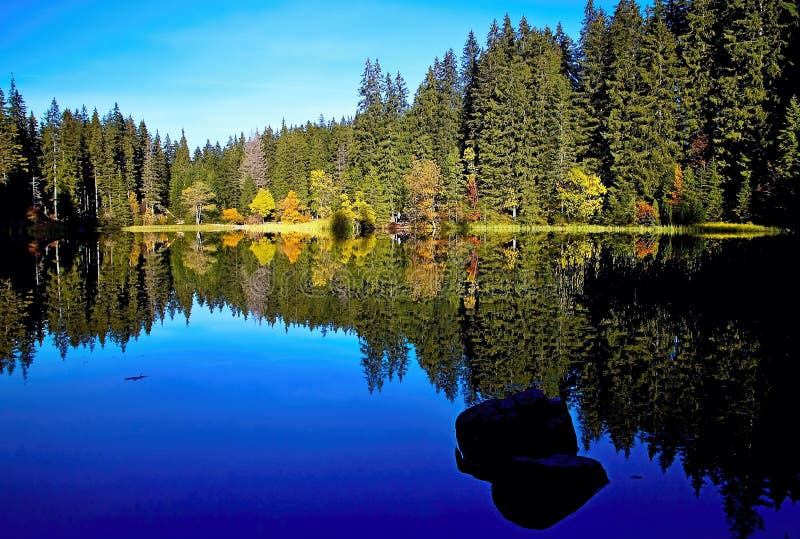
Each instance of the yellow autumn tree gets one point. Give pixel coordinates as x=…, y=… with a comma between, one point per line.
x=263, y=204
x=580, y=195
x=423, y=182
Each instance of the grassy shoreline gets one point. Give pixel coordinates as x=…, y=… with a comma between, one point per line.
x=716, y=229
x=323, y=227
x=314, y=228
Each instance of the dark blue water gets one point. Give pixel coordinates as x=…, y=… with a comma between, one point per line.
x=246, y=429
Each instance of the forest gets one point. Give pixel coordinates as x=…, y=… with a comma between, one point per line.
x=681, y=111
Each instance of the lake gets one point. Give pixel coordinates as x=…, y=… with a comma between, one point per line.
x=287, y=386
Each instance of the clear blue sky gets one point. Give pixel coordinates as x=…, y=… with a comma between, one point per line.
x=220, y=68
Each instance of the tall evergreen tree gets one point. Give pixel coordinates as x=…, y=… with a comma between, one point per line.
x=181, y=176
x=11, y=155
x=626, y=112
x=746, y=63
x=593, y=90
x=51, y=150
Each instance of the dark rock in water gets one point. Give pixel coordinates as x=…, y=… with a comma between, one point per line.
x=526, y=424
x=526, y=446
x=543, y=492
x=566, y=468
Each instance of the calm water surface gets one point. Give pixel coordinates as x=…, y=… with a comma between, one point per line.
x=309, y=388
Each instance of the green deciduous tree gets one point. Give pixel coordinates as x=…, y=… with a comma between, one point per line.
x=198, y=198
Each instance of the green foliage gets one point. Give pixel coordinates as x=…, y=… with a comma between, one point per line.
x=11, y=156
x=247, y=194
x=198, y=198
x=789, y=143
x=706, y=85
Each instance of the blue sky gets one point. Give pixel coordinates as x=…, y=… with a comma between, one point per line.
x=220, y=68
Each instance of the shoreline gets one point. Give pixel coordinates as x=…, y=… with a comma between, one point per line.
x=323, y=227
x=319, y=227
x=712, y=229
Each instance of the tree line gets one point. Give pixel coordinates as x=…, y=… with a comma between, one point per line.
x=682, y=112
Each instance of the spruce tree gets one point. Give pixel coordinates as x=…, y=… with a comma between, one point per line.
x=11, y=156
x=593, y=91
x=51, y=139
x=746, y=64
x=181, y=177
x=626, y=112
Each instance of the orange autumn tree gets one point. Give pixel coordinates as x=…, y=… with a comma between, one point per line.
x=645, y=214
x=232, y=215
x=675, y=198
x=291, y=209
x=292, y=245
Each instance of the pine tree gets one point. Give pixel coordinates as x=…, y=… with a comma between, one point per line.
x=11, y=156
x=746, y=64
x=593, y=91
x=18, y=191
x=51, y=138
x=626, y=113
x=154, y=178
x=181, y=177
x=569, y=60
x=661, y=77
x=696, y=32
x=98, y=173
x=491, y=125
x=70, y=166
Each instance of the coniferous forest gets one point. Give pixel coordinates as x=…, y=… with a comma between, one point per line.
x=682, y=111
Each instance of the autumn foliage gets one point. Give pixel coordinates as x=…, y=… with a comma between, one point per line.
x=291, y=209
x=676, y=195
x=645, y=213
x=292, y=245
x=232, y=215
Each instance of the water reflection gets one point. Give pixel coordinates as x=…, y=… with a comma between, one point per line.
x=685, y=345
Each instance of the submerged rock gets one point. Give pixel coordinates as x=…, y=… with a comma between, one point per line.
x=526, y=446
x=526, y=424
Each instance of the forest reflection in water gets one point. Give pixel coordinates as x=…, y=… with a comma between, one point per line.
x=683, y=344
